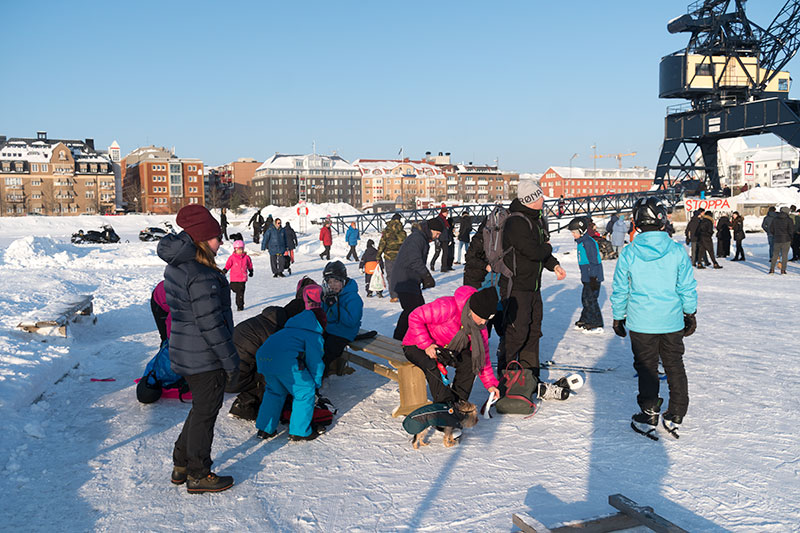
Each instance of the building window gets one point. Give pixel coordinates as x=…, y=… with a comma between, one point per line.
x=44, y=167
x=34, y=167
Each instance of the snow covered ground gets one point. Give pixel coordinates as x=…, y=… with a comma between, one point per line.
x=78, y=455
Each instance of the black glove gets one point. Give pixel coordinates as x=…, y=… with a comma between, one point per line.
x=232, y=379
x=224, y=270
x=619, y=327
x=249, y=273
x=689, y=324
x=428, y=282
x=331, y=299
x=594, y=284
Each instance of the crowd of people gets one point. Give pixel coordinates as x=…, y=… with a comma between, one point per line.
x=277, y=360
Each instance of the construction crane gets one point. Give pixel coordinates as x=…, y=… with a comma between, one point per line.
x=618, y=157
x=731, y=73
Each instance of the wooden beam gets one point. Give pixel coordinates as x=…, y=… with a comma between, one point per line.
x=643, y=514
x=528, y=524
x=605, y=524
x=372, y=366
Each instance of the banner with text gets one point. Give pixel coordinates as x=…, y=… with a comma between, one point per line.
x=709, y=204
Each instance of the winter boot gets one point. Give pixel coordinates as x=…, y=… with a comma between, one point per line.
x=672, y=423
x=316, y=431
x=717, y=265
x=380, y=294
x=264, y=435
x=646, y=422
x=551, y=391
x=244, y=411
x=210, y=483
x=369, y=294
x=572, y=382
x=178, y=475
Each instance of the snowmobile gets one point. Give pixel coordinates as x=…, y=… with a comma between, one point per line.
x=155, y=233
x=105, y=236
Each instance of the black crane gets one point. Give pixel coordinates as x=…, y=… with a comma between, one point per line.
x=731, y=73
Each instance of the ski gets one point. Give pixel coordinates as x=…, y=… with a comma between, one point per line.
x=574, y=368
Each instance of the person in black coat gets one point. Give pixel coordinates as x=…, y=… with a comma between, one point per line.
x=223, y=222
x=782, y=229
x=464, y=231
x=723, y=237
x=476, y=266
x=201, y=341
x=410, y=270
x=705, y=241
x=256, y=221
x=691, y=233
x=737, y=225
x=291, y=244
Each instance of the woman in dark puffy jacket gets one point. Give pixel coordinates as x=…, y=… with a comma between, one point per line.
x=201, y=345
x=737, y=226
x=723, y=237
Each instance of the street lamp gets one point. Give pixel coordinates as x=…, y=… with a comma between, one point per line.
x=570, y=164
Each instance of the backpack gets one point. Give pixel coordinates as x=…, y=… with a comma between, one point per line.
x=493, y=244
x=158, y=375
x=323, y=411
x=519, y=386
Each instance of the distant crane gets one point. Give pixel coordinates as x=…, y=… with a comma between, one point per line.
x=618, y=157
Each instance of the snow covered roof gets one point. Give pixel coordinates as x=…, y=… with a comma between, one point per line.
x=305, y=162
x=604, y=173
x=487, y=169
x=41, y=150
x=380, y=167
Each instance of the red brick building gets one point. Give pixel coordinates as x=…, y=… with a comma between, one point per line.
x=576, y=182
x=154, y=180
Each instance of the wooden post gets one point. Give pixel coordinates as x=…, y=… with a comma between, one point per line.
x=643, y=514
x=413, y=389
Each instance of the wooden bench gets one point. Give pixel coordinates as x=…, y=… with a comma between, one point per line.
x=53, y=318
x=631, y=515
x=413, y=387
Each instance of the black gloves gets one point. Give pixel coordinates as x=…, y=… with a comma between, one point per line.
x=689, y=324
x=232, y=379
x=331, y=299
x=224, y=270
x=619, y=327
x=594, y=284
x=249, y=273
x=428, y=282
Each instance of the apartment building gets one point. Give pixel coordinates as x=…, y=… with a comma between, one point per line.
x=573, y=182
x=154, y=180
x=286, y=179
x=402, y=181
x=54, y=177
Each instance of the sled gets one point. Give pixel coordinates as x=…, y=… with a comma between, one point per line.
x=53, y=318
x=631, y=515
x=172, y=394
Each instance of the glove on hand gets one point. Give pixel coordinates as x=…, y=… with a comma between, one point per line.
x=428, y=282
x=224, y=270
x=594, y=284
x=331, y=299
x=689, y=324
x=619, y=327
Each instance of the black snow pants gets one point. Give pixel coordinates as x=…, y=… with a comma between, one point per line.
x=408, y=301
x=647, y=350
x=441, y=393
x=193, y=447
x=523, y=328
x=237, y=287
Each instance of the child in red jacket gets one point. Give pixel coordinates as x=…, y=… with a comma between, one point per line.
x=240, y=266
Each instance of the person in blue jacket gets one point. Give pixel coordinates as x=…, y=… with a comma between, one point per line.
x=291, y=362
x=352, y=238
x=275, y=242
x=591, y=266
x=201, y=345
x=344, y=309
x=655, y=296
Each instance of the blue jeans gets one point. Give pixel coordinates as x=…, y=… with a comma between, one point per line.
x=465, y=246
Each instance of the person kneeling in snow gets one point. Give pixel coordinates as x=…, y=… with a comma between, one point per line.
x=452, y=331
x=655, y=295
x=291, y=362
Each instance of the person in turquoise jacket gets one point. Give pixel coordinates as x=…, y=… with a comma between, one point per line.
x=591, y=266
x=351, y=236
x=291, y=362
x=655, y=296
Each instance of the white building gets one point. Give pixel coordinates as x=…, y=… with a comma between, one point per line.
x=285, y=179
x=768, y=166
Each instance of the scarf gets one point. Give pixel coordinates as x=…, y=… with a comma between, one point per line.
x=470, y=330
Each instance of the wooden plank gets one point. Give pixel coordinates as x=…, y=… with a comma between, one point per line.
x=372, y=366
x=603, y=524
x=645, y=515
x=54, y=317
x=528, y=524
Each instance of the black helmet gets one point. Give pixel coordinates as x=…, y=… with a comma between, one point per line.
x=649, y=212
x=336, y=270
x=579, y=224
x=147, y=393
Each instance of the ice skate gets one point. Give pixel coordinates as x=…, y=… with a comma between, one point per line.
x=645, y=423
x=672, y=423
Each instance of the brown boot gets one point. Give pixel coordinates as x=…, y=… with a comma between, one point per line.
x=210, y=483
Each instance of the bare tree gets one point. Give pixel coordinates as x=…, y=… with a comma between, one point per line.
x=214, y=197
x=48, y=196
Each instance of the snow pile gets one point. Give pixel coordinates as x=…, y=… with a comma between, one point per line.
x=41, y=252
x=779, y=196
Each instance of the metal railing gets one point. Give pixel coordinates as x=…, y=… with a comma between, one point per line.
x=558, y=216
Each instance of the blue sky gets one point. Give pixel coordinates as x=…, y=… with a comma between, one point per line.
x=530, y=83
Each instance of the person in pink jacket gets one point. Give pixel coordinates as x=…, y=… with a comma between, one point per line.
x=160, y=310
x=451, y=331
x=240, y=266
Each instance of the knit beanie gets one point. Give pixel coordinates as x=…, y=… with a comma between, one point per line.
x=238, y=244
x=312, y=296
x=484, y=303
x=528, y=191
x=436, y=224
x=396, y=216
x=197, y=221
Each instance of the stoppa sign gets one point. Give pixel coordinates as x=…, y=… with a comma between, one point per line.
x=709, y=204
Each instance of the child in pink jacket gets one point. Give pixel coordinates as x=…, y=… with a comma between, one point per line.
x=240, y=266
x=451, y=331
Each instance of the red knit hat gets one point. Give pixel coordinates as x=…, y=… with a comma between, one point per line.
x=197, y=221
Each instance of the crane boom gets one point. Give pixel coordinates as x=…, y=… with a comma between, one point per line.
x=779, y=42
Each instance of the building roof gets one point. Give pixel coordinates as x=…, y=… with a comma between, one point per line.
x=380, y=167
x=603, y=173
x=41, y=150
x=307, y=161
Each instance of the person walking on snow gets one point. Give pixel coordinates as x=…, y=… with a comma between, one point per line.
x=591, y=267
x=201, y=341
x=655, y=297
x=352, y=238
x=766, y=224
x=291, y=244
x=369, y=262
x=464, y=233
x=256, y=221
x=723, y=236
x=705, y=244
x=275, y=241
x=737, y=225
x=618, y=233
x=392, y=238
x=240, y=266
x=327, y=240
x=781, y=230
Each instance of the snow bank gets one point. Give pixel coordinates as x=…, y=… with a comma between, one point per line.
x=46, y=252
x=778, y=196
